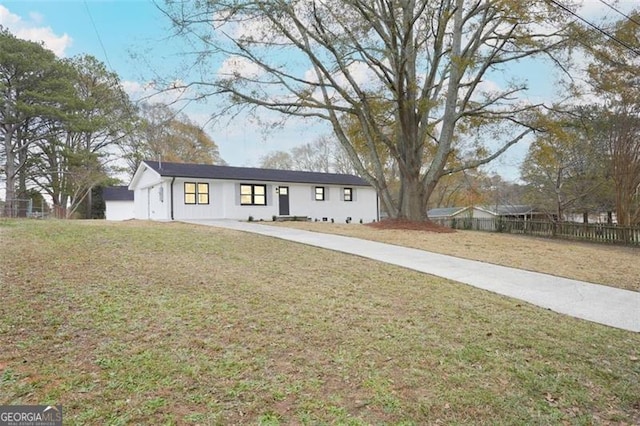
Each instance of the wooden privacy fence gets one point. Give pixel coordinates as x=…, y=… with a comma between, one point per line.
x=596, y=232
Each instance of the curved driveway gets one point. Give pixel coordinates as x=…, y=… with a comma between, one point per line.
x=593, y=302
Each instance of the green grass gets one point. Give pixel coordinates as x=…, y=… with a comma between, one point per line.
x=177, y=324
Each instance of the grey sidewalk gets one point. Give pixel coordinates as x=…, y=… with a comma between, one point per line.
x=593, y=302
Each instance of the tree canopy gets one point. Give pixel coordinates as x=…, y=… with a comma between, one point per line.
x=614, y=76
x=65, y=124
x=34, y=88
x=322, y=155
x=412, y=74
x=161, y=132
x=565, y=169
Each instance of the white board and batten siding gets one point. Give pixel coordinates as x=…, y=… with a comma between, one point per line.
x=150, y=201
x=119, y=203
x=118, y=210
x=225, y=203
x=157, y=196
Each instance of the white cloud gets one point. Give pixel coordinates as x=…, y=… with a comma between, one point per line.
x=238, y=66
x=359, y=72
x=134, y=89
x=7, y=18
x=36, y=17
x=489, y=86
x=32, y=30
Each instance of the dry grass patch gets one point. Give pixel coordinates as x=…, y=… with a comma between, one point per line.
x=597, y=263
x=141, y=323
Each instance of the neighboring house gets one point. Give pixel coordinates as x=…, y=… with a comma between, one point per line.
x=176, y=191
x=472, y=217
x=515, y=211
x=487, y=212
x=442, y=213
x=118, y=201
x=602, y=217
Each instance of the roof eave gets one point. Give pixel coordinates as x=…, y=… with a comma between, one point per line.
x=142, y=167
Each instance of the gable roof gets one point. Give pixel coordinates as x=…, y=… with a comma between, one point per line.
x=509, y=210
x=208, y=171
x=499, y=210
x=445, y=211
x=117, y=193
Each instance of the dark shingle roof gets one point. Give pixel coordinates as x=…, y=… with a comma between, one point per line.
x=444, y=211
x=208, y=171
x=117, y=193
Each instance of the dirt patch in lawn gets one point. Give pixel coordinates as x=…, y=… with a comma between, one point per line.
x=614, y=266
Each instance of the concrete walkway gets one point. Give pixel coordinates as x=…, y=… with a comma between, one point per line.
x=592, y=302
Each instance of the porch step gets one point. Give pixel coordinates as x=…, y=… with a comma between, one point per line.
x=292, y=219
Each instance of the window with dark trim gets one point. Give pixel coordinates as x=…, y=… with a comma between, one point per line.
x=203, y=193
x=253, y=195
x=348, y=194
x=196, y=193
x=319, y=193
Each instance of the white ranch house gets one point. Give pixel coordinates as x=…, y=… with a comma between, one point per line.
x=177, y=191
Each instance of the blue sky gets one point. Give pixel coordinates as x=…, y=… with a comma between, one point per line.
x=121, y=25
x=133, y=38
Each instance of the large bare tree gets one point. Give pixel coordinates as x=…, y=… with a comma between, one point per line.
x=323, y=154
x=165, y=134
x=429, y=62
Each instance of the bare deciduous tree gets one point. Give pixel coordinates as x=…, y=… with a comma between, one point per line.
x=426, y=61
x=163, y=133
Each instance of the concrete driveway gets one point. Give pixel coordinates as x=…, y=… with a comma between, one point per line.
x=593, y=302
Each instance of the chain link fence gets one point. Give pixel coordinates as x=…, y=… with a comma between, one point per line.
x=22, y=207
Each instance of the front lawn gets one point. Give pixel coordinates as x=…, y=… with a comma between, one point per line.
x=153, y=323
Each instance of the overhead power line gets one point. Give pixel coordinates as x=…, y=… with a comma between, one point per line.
x=612, y=7
x=95, y=28
x=597, y=28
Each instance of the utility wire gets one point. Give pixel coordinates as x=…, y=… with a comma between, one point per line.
x=612, y=7
x=120, y=89
x=95, y=29
x=104, y=51
x=600, y=30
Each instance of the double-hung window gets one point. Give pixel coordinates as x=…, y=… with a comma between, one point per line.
x=253, y=195
x=319, y=194
x=196, y=193
x=348, y=194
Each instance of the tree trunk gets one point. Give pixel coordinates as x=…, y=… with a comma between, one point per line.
x=10, y=171
x=22, y=181
x=412, y=199
x=10, y=192
x=623, y=203
x=89, y=207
